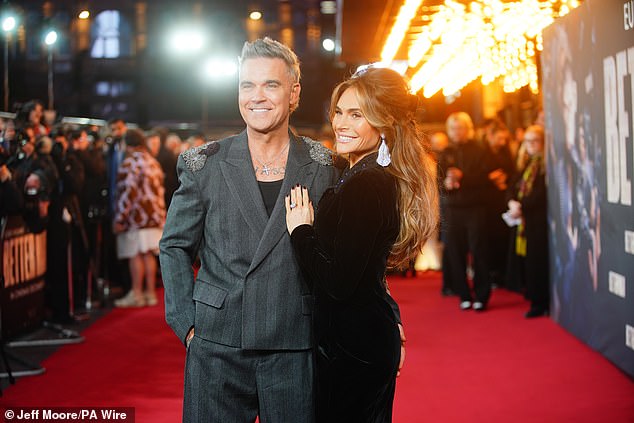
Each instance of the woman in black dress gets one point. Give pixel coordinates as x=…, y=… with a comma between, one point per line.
x=529, y=204
x=379, y=214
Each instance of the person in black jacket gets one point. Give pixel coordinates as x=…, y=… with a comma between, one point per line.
x=10, y=196
x=529, y=203
x=168, y=161
x=465, y=167
x=382, y=210
x=64, y=216
x=501, y=160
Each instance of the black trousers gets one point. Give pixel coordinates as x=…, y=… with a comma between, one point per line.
x=498, y=246
x=536, y=270
x=466, y=233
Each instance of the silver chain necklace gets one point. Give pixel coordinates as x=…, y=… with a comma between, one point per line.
x=266, y=170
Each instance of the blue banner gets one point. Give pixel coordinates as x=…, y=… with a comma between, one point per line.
x=587, y=74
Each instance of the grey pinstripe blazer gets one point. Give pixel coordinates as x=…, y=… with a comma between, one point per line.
x=249, y=291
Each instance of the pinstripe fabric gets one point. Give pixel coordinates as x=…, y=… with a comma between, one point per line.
x=246, y=384
x=249, y=292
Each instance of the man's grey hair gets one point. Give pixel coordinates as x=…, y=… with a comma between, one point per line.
x=465, y=119
x=269, y=48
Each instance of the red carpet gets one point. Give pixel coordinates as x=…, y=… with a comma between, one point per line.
x=497, y=366
x=130, y=359
x=460, y=366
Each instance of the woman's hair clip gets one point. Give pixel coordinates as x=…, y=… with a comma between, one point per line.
x=361, y=70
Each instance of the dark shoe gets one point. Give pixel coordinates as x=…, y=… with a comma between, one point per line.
x=536, y=312
x=447, y=292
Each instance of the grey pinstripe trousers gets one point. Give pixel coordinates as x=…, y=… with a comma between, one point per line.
x=227, y=384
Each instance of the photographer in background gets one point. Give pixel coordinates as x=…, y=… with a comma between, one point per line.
x=116, y=270
x=64, y=213
x=10, y=196
x=32, y=178
x=7, y=136
x=36, y=201
x=32, y=113
x=93, y=196
x=22, y=161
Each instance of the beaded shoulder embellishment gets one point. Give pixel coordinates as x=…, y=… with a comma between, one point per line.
x=318, y=152
x=195, y=157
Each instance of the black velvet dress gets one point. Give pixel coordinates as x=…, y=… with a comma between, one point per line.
x=344, y=257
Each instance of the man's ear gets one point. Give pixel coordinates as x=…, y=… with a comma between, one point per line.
x=295, y=91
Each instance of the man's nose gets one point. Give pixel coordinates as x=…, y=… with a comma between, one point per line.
x=258, y=94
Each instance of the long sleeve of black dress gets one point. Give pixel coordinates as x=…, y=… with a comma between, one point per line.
x=354, y=231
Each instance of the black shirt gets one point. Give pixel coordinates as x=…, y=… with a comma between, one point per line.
x=270, y=191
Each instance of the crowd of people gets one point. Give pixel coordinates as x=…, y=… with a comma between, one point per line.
x=101, y=192
x=493, y=208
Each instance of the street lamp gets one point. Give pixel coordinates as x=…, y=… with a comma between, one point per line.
x=189, y=41
x=328, y=44
x=186, y=41
x=8, y=24
x=50, y=40
x=216, y=70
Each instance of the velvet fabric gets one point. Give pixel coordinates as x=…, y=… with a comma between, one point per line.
x=344, y=257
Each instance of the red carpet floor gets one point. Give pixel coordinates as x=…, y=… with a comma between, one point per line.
x=460, y=366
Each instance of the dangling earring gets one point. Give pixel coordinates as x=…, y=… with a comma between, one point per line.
x=384, y=158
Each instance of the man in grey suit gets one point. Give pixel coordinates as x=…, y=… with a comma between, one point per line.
x=246, y=319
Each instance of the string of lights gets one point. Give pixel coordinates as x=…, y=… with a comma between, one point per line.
x=485, y=39
x=403, y=20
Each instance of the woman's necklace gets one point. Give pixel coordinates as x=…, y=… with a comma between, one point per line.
x=266, y=170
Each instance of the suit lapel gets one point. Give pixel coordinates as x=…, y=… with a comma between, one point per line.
x=300, y=169
x=237, y=170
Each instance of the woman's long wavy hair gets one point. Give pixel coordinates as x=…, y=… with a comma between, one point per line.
x=388, y=106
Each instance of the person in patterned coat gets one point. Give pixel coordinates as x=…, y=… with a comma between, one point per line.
x=139, y=218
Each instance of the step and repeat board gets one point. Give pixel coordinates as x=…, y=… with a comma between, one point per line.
x=22, y=275
x=588, y=90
